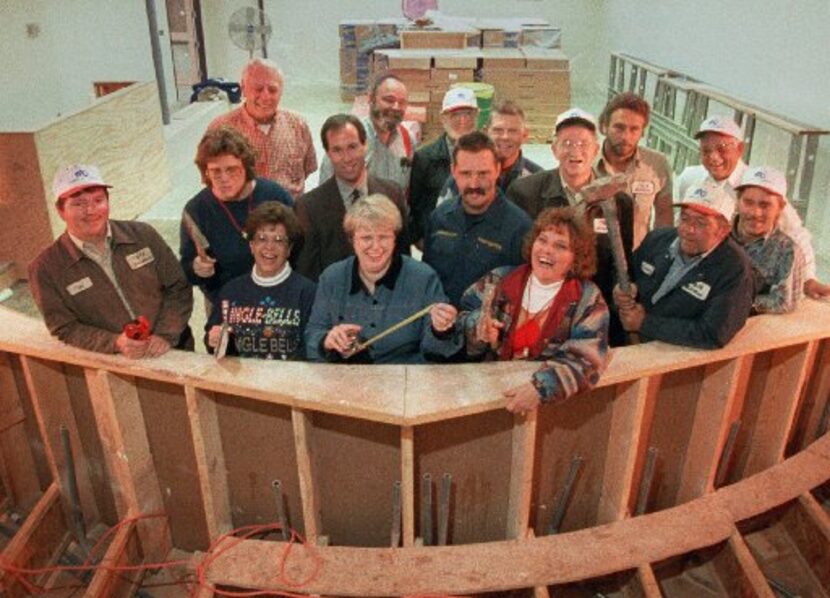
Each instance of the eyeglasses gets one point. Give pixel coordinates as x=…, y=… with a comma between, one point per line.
x=577, y=144
x=463, y=113
x=216, y=172
x=720, y=148
x=85, y=203
x=262, y=239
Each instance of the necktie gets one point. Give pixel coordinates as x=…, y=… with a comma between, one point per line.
x=354, y=196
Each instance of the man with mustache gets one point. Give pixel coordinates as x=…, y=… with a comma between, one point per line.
x=776, y=259
x=281, y=138
x=722, y=166
x=623, y=122
x=478, y=229
x=390, y=146
x=321, y=211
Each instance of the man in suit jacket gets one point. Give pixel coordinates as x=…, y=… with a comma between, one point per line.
x=321, y=211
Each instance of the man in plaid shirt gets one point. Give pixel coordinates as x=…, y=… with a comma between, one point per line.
x=281, y=138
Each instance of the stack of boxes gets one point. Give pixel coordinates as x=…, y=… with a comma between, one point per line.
x=358, y=40
x=537, y=79
x=522, y=62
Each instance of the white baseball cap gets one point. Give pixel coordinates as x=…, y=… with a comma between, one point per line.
x=765, y=177
x=458, y=98
x=709, y=199
x=575, y=115
x=720, y=124
x=75, y=177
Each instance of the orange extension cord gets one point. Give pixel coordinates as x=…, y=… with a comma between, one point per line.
x=230, y=539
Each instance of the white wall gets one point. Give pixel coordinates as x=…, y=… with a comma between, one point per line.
x=772, y=53
x=305, y=41
x=80, y=41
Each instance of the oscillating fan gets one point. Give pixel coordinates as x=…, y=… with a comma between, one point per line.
x=249, y=29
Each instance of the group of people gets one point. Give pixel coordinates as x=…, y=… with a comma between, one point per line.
x=518, y=262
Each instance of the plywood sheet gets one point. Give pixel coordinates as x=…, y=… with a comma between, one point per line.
x=258, y=442
x=356, y=463
x=122, y=134
x=559, y=440
x=477, y=453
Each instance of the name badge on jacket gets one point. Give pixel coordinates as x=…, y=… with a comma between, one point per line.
x=642, y=187
x=600, y=226
x=698, y=290
x=648, y=269
x=140, y=258
x=79, y=285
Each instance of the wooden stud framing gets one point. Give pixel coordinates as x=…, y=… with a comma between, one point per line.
x=521, y=474
x=723, y=386
x=124, y=438
x=408, y=484
x=632, y=412
x=38, y=542
x=749, y=570
x=19, y=473
x=123, y=550
x=210, y=460
x=304, y=443
x=53, y=409
x=809, y=527
x=648, y=582
x=778, y=406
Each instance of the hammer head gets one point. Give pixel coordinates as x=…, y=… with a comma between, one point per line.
x=604, y=188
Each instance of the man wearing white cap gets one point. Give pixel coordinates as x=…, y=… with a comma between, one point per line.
x=776, y=259
x=575, y=147
x=721, y=148
x=432, y=163
x=102, y=275
x=694, y=285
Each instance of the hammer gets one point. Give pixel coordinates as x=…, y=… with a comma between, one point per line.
x=603, y=191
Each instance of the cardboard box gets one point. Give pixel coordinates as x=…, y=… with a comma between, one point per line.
x=452, y=75
x=456, y=59
x=424, y=38
x=502, y=58
x=540, y=58
x=402, y=59
x=492, y=38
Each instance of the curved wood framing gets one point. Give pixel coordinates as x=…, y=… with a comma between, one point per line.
x=203, y=440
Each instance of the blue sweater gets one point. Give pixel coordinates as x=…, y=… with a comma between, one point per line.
x=227, y=245
x=463, y=248
x=266, y=322
x=407, y=287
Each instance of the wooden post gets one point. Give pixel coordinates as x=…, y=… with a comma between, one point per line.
x=521, y=474
x=747, y=568
x=210, y=460
x=53, y=408
x=408, y=484
x=123, y=550
x=632, y=412
x=724, y=385
x=648, y=582
x=124, y=439
x=19, y=472
x=309, y=494
x=39, y=541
